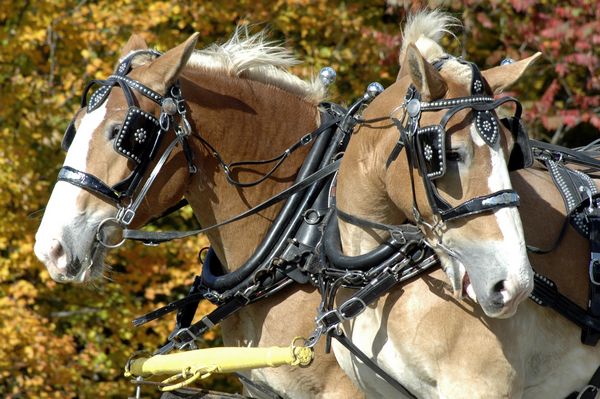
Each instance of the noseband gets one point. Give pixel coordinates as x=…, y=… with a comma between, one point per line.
x=138, y=139
x=426, y=145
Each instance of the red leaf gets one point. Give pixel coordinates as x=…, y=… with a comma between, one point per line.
x=484, y=20
x=595, y=121
x=570, y=117
x=562, y=69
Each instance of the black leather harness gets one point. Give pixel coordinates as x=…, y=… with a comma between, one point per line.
x=302, y=245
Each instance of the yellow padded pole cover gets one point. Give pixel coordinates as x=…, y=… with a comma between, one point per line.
x=218, y=360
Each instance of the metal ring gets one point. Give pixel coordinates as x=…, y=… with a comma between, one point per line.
x=99, y=230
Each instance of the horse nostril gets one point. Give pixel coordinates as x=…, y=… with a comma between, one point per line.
x=56, y=250
x=499, y=286
x=57, y=255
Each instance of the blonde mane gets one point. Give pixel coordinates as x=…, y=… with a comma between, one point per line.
x=425, y=29
x=254, y=57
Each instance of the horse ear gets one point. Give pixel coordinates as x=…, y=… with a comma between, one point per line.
x=425, y=77
x=135, y=42
x=503, y=76
x=403, y=69
x=166, y=69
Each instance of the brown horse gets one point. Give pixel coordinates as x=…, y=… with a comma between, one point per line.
x=424, y=335
x=239, y=99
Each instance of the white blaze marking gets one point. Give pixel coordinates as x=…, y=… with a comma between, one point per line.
x=512, y=244
x=61, y=210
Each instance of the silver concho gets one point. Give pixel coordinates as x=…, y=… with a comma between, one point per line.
x=428, y=152
x=140, y=135
x=327, y=76
x=413, y=108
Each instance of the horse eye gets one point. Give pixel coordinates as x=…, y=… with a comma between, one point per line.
x=454, y=156
x=112, y=133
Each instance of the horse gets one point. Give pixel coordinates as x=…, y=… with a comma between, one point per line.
x=428, y=335
x=240, y=103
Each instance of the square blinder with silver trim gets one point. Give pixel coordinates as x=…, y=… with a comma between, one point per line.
x=431, y=142
x=137, y=135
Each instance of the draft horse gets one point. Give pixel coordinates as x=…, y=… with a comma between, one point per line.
x=240, y=103
x=417, y=161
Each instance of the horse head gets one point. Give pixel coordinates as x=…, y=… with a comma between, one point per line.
x=113, y=144
x=442, y=163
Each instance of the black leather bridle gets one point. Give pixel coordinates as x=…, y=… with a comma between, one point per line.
x=138, y=139
x=426, y=145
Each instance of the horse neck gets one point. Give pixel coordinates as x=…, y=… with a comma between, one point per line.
x=243, y=120
x=363, y=180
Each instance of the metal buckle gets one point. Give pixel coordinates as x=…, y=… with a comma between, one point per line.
x=589, y=389
x=185, y=129
x=349, y=302
x=185, y=342
x=125, y=216
x=325, y=328
x=595, y=268
x=398, y=235
x=306, y=139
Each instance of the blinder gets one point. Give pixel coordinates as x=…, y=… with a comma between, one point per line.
x=138, y=135
x=431, y=147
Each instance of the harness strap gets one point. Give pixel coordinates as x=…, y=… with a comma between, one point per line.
x=569, y=155
x=279, y=159
x=545, y=293
x=332, y=247
x=186, y=336
x=590, y=336
x=342, y=339
x=264, y=389
x=151, y=237
x=409, y=231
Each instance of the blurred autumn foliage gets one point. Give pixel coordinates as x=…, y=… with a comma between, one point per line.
x=68, y=341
